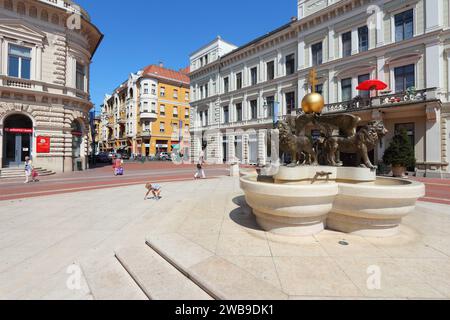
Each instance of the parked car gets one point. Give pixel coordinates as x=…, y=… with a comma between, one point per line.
x=102, y=158
x=164, y=156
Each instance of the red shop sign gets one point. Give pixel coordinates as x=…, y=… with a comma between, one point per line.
x=18, y=130
x=43, y=144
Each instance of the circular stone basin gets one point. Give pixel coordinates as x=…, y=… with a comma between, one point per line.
x=374, y=209
x=350, y=200
x=295, y=210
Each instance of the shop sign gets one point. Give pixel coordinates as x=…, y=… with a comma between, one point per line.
x=43, y=144
x=18, y=130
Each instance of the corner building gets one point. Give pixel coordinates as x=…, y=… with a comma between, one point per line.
x=46, y=48
x=403, y=43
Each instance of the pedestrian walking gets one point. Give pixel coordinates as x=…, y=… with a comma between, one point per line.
x=118, y=166
x=200, y=171
x=28, y=169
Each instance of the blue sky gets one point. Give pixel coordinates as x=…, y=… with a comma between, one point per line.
x=142, y=32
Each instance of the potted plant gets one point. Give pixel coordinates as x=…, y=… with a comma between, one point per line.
x=400, y=154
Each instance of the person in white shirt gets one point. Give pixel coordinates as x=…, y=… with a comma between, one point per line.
x=200, y=171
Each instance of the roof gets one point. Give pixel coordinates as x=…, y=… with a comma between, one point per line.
x=168, y=74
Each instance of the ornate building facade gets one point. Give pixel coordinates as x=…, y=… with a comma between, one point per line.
x=148, y=114
x=403, y=43
x=46, y=47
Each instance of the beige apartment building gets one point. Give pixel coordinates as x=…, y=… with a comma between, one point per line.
x=46, y=47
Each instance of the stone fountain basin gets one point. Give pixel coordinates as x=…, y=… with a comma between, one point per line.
x=288, y=209
x=348, y=202
x=374, y=208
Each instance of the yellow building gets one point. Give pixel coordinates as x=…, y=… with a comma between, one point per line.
x=149, y=113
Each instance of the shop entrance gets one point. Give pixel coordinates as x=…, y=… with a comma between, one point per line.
x=18, y=130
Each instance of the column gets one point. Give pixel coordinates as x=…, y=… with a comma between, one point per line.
x=261, y=70
x=279, y=65
x=433, y=150
x=331, y=44
x=355, y=41
x=380, y=68
x=262, y=146
x=2, y=54
x=332, y=97
x=302, y=90
x=379, y=23
x=433, y=15
x=354, y=85
x=433, y=62
x=380, y=147
x=38, y=75
x=301, y=53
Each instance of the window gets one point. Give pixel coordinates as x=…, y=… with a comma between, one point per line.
x=363, y=39
x=290, y=102
x=239, y=81
x=254, y=75
x=175, y=94
x=162, y=92
x=175, y=112
x=206, y=59
x=361, y=79
x=270, y=70
x=145, y=107
x=153, y=107
x=290, y=64
x=145, y=88
x=404, y=78
x=238, y=111
x=162, y=110
x=80, y=76
x=346, y=87
x=186, y=96
x=404, y=25
x=316, y=50
x=206, y=91
x=319, y=89
x=19, y=62
x=254, y=109
x=162, y=127
x=186, y=113
x=347, y=44
x=226, y=115
x=226, y=85
x=154, y=89
x=270, y=106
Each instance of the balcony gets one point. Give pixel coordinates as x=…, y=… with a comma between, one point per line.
x=145, y=134
x=123, y=118
x=383, y=101
x=148, y=115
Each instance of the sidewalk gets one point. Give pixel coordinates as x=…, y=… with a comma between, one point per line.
x=41, y=237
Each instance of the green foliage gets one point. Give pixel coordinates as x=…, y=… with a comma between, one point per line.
x=400, y=151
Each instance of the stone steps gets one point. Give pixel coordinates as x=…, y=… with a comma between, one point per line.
x=15, y=173
x=156, y=277
x=218, y=277
x=108, y=280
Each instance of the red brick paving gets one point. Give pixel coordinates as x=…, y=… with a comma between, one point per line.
x=437, y=190
x=102, y=178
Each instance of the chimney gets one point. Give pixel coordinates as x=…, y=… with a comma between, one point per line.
x=161, y=64
x=293, y=19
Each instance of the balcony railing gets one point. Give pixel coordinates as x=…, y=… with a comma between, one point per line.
x=148, y=115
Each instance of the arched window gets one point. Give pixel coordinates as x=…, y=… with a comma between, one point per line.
x=8, y=5
x=33, y=12
x=21, y=8
x=44, y=15
x=55, y=19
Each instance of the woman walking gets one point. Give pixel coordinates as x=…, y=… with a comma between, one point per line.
x=28, y=169
x=200, y=172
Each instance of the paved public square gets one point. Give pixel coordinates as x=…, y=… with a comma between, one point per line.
x=40, y=237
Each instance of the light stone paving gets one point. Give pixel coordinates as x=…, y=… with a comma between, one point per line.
x=41, y=237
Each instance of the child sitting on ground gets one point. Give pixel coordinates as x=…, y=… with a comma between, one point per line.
x=155, y=189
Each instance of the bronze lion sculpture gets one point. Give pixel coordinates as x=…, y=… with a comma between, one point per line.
x=362, y=143
x=295, y=145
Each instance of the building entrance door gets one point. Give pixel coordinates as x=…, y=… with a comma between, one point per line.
x=17, y=140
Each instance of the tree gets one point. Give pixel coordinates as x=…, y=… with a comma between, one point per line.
x=400, y=151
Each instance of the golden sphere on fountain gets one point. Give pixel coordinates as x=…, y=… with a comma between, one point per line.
x=313, y=103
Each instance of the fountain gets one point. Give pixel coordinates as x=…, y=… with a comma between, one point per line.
x=304, y=198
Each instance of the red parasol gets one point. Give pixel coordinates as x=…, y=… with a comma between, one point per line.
x=370, y=85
